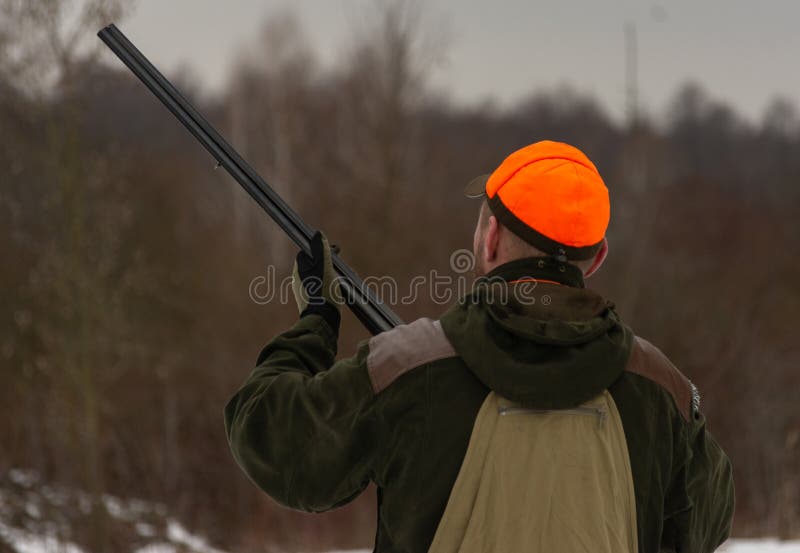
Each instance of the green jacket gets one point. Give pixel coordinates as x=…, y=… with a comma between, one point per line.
x=312, y=433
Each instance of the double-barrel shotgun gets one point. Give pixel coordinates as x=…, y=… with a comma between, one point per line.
x=367, y=307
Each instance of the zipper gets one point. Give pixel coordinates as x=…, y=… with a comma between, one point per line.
x=582, y=410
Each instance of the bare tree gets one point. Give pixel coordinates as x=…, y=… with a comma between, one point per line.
x=43, y=39
x=43, y=49
x=268, y=106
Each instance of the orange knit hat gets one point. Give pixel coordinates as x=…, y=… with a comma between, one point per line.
x=550, y=195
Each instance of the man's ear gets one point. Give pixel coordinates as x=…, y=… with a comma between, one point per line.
x=491, y=241
x=598, y=259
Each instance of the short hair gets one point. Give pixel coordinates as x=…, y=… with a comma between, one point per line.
x=515, y=247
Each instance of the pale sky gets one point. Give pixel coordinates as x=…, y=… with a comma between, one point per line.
x=742, y=51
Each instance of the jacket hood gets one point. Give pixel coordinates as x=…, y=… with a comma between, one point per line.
x=531, y=332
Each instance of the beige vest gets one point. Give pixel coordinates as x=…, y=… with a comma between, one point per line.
x=542, y=481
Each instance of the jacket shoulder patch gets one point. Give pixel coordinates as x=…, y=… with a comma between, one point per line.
x=405, y=347
x=650, y=362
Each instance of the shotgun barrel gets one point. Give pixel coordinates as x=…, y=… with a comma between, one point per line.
x=373, y=313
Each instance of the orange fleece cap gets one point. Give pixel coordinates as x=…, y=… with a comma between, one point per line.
x=552, y=196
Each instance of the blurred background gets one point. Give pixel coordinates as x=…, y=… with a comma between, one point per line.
x=127, y=260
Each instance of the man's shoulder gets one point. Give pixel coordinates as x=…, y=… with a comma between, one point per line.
x=648, y=361
x=404, y=348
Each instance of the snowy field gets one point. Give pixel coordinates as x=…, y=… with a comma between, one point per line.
x=760, y=546
x=182, y=541
x=732, y=546
x=34, y=506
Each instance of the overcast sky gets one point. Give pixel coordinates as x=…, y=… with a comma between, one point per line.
x=744, y=52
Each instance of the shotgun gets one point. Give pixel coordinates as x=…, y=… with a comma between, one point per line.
x=362, y=301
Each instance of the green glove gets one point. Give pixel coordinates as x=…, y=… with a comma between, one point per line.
x=315, y=283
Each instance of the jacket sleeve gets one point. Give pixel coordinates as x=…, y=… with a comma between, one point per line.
x=301, y=427
x=706, y=483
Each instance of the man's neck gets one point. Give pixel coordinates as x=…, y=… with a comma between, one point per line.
x=543, y=269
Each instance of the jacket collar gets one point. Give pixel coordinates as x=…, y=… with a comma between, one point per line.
x=538, y=268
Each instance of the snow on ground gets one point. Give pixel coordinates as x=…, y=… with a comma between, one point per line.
x=25, y=496
x=731, y=546
x=36, y=517
x=759, y=546
x=183, y=540
x=180, y=535
x=27, y=542
x=157, y=548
